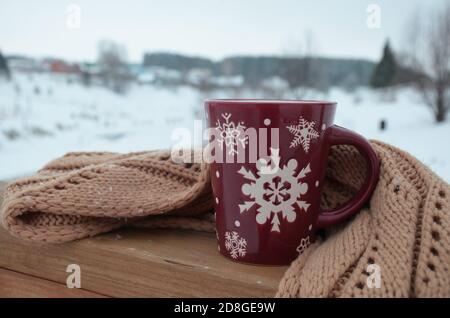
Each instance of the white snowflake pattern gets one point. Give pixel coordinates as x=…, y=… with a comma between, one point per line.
x=231, y=134
x=235, y=245
x=275, y=190
x=304, y=243
x=303, y=133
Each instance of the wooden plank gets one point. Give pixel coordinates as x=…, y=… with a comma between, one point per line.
x=15, y=284
x=143, y=263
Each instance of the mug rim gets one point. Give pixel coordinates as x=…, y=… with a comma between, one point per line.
x=269, y=101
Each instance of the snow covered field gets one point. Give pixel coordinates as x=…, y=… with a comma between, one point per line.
x=42, y=117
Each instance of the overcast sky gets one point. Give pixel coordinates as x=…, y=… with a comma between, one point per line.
x=211, y=28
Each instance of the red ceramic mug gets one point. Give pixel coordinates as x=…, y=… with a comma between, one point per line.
x=267, y=170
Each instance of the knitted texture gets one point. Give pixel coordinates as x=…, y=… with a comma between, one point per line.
x=84, y=194
x=404, y=229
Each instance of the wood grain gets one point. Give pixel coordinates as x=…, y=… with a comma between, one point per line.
x=15, y=284
x=143, y=263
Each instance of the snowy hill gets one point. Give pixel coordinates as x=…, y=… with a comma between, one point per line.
x=43, y=116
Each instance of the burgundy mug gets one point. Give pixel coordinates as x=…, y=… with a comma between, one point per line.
x=268, y=162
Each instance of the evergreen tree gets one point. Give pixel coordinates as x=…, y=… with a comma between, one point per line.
x=4, y=69
x=385, y=71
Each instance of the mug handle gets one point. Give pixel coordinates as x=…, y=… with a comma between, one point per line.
x=339, y=136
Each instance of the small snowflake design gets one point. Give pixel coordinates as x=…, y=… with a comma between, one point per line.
x=304, y=243
x=303, y=133
x=235, y=245
x=276, y=191
x=231, y=134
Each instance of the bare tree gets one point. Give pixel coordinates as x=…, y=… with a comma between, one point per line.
x=428, y=55
x=113, y=66
x=301, y=69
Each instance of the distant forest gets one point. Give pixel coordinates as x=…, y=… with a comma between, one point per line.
x=317, y=72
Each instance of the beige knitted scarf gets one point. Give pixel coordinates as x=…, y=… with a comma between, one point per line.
x=405, y=230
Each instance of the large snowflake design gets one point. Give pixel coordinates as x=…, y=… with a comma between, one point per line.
x=231, y=134
x=303, y=133
x=235, y=245
x=304, y=243
x=275, y=190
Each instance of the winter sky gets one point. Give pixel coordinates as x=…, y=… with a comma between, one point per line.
x=212, y=28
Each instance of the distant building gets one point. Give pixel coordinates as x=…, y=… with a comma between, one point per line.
x=90, y=68
x=159, y=75
x=275, y=83
x=18, y=63
x=228, y=81
x=198, y=76
x=60, y=66
x=146, y=77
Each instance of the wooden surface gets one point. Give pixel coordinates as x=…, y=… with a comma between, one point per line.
x=15, y=284
x=132, y=263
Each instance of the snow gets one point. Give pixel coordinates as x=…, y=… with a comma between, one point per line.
x=410, y=125
x=44, y=116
